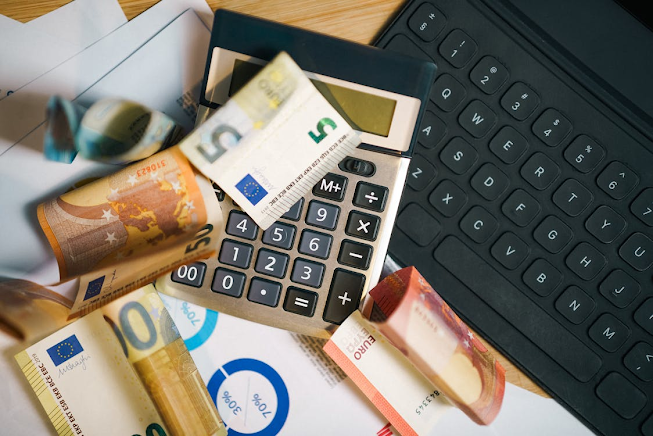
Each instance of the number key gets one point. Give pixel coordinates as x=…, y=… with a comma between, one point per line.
x=315, y=244
x=458, y=48
x=192, y=275
x=235, y=254
x=271, y=263
x=617, y=180
x=307, y=273
x=228, y=282
x=489, y=75
x=551, y=127
x=280, y=235
x=322, y=215
x=520, y=101
x=240, y=224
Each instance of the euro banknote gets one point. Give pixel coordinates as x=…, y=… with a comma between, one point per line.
x=112, y=130
x=121, y=370
x=269, y=144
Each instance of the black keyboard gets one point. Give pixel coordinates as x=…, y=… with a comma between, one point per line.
x=529, y=207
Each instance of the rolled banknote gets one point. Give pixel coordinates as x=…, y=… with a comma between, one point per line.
x=112, y=130
x=288, y=137
x=415, y=319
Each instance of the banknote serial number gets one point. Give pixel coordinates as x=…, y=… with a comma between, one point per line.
x=426, y=401
x=141, y=172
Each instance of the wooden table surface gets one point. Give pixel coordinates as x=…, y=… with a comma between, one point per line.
x=359, y=21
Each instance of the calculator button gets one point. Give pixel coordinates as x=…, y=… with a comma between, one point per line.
x=427, y=22
x=459, y=156
x=551, y=127
x=271, y=263
x=605, y=224
x=521, y=208
x=369, y=196
x=322, y=215
x=355, y=254
x=490, y=182
x=219, y=193
x=644, y=315
x=418, y=224
x=584, y=154
x=542, y=277
x=575, y=305
x=520, y=101
x=508, y=145
x=448, y=198
x=264, y=292
x=510, y=251
x=300, y=301
x=586, y=261
x=553, y=234
x=228, y=282
x=331, y=186
x=619, y=288
x=235, y=254
x=617, y=180
x=642, y=207
x=458, y=48
x=447, y=93
x=609, y=332
x=540, y=171
x=295, y=211
x=280, y=235
x=191, y=274
x=639, y=361
x=420, y=173
x=638, y=251
x=489, y=75
x=363, y=226
x=315, y=244
x=307, y=273
x=344, y=295
x=572, y=197
x=240, y=224
x=479, y=224
x=621, y=395
x=477, y=119
x=357, y=166
x=431, y=130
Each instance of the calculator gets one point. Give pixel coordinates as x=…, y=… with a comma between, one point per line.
x=309, y=270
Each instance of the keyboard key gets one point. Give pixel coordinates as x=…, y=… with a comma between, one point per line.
x=235, y=253
x=639, y=361
x=584, y=154
x=401, y=44
x=586, y=261
x=609, y=332
x=357, y=166
x=280, y=235
x=431, y=130
x=300, y=301
x=518, y=309
x=447, y=93
x=322, y=215
x=427, y=22
x=477, y=119
x=307, y=273
x=240, y=224
x=459, y=156
x=344, y=295
x=295, y=211
x=355, y=254
x=271, y=263
x=521, y=208
x=605, y=224
x=490, y=182
x=369, y=196
x=458, y=48
x=510, y=251
x=575, y=305
x=420, y=173
x=542, y=277
x=489, y=74
x=642, y=207
x=191, y=274
x=551, y=127
x=617, y=180
x=331, y=186
x=553, y=234
x=448, y=198
x=520, y=101
x=619, y=288
x=418, y=224
x=228, y=282
x=264, y=292
x=540, y=171
x=508, y=145
x=637, y=251
x=572, y=197
x=479, y=224
x=315, y=244
x=644, y=315
x=363, y=226
x=621, y=395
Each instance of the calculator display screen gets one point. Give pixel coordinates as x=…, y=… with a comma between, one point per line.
x=363, y=111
